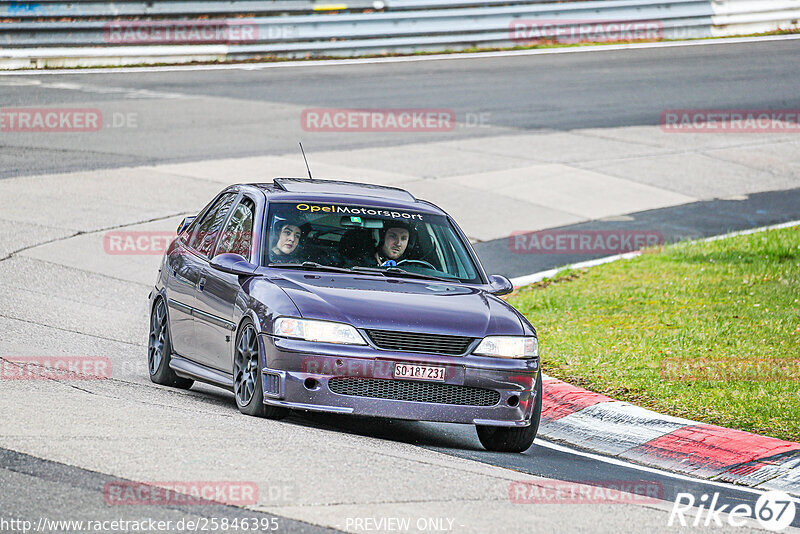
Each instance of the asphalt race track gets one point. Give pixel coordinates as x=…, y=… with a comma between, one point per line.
x=236, y=113
x=172, y=138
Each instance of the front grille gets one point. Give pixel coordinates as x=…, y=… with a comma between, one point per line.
x=408, y=390
x=414, y=342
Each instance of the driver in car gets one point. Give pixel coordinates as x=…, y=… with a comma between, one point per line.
x=392, y=244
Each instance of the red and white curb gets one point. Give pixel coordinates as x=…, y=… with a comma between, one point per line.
x=600, y=424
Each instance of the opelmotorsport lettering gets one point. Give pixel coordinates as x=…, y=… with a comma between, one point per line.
x=347, y=210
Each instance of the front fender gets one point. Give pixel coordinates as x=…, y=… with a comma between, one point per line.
x=267, y=302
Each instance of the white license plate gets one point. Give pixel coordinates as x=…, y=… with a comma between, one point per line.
x=419, y=372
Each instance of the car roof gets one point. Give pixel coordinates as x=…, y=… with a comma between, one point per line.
x=337, y=191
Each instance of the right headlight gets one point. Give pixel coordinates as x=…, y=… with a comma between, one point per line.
x=508, y=347
x=322, y=331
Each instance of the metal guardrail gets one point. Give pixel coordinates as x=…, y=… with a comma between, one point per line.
x=145, y=8
x=737, y=17
x=113, y=41
x=154, y=8
x=492, y=26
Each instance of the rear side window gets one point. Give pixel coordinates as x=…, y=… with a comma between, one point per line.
x=205, y=232
x=238, y=235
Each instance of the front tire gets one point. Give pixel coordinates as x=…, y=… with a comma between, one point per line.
x=248, y=387
x=505, y=439
x=159, y=350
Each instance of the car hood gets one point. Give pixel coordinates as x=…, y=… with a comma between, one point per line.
x=402, y=304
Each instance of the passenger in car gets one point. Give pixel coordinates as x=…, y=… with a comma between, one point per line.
x=286, y=246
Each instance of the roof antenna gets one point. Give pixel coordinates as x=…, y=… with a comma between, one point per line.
x=306, y=160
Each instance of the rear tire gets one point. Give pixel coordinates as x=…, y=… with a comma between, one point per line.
x=159, y=350
x=510, y=439
x=248, y=387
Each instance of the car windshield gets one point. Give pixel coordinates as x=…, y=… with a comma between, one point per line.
x=366, y=239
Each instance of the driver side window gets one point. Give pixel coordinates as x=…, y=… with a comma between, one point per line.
x=206, y=231
x=238, y=235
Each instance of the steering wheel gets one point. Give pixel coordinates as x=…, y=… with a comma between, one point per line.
x=425, y=263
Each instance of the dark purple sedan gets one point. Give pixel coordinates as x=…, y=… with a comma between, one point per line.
x=344, y=298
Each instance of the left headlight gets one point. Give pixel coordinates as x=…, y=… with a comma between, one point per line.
x=508, y=347
x=321, y=331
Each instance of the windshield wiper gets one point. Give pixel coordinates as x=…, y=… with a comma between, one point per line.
x=388, y=271
x=396, y=271
x=311, y=266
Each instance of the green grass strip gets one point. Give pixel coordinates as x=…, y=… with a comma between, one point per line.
x=704, y=330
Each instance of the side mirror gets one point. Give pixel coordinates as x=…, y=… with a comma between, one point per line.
x=500, y=285
x=233, y=264
x=185, y=224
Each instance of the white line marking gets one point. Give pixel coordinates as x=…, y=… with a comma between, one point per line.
x=622, y=463
x=538, y=277
x=410, y=59
x=126, y=92
x=751, y=231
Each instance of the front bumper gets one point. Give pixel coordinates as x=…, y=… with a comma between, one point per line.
x=297, y=374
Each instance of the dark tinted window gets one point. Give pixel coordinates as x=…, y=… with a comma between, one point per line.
x=205, y=232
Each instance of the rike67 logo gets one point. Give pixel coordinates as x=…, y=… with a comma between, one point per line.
x=774, y=511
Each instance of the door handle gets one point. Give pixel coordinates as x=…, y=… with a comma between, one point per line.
x=201, y=283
